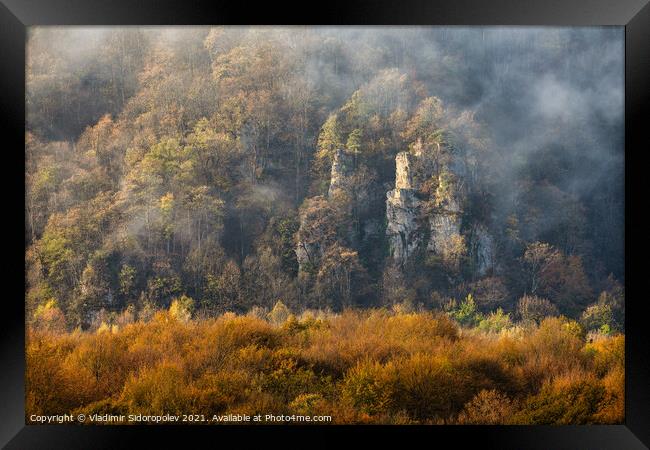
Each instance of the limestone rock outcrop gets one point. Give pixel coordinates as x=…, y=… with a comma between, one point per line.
x=418, y=218
x=483, y=251
x=432, y=221
x=443, y=227
x=403, y=171
x=318, y=226
x=404, y=211
x=403, y=228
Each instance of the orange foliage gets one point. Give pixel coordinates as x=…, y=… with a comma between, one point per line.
x=371, y=366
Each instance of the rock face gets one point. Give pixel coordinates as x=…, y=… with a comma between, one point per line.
x=424, y=213
x=403, y=229
x=317, y=230
x=342, y=167
x=403, y=171
x=482, y=250
x=443, y=228
x=445, y=220
x=403, y=211
x=316, y=227
x=410, y=217
x=418, y=218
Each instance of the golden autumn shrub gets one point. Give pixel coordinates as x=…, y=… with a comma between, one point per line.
x=575, y=398
x=427, y=386
x=368, y=387
x=487, y=408
x=43, y=376
x=371, y=366
x=158, y=390
x=606, y=353
x=288, y=380
x=214, y=393
x=49, y=318
x=553, y=347
x=307, y=404
x=612, y=408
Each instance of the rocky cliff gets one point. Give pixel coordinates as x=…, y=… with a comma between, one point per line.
x=318, y=215
x=403, y=212
x=482, y=250
x=425, y=214
x=421, y=217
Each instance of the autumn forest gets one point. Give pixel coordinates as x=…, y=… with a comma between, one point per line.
x=388, y=225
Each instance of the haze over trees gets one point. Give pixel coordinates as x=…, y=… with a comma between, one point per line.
x=193, y=172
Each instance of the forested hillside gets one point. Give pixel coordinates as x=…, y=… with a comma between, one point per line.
x=375, y=225
x=446, y=169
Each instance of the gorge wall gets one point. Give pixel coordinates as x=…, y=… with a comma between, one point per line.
x=425, y=212
x=403, y=212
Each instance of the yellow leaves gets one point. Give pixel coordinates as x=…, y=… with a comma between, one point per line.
x=330, y=139
x=106, y=328
x=606, y=352
x=97, y=139
x=181, y=308
x=612, y=409
x=160, y=390
x=446, y=188
x=167, y=203
x=215, y=38
x=279, y=314
x=307, y=404
x=487, y=408
x=45, y=307
x=375, y=366
x=572, y=398
x=49, y=318
x=368, y=386
x=427, y=121
x=421, y=384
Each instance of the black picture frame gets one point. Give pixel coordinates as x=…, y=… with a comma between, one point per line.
x=16, y=15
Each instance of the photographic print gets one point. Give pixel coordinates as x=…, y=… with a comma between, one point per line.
x=344, y=225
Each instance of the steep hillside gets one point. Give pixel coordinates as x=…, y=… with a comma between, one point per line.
x=327, y=168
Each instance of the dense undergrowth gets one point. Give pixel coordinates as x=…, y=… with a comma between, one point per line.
x=375, y=366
